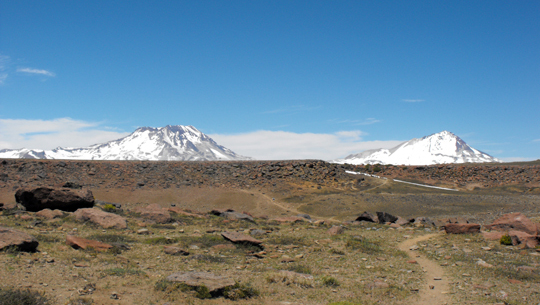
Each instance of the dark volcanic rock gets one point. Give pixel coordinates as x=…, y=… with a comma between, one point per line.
x=37, y=199
x=18, y=239
x=384, y=217
x=367, y=216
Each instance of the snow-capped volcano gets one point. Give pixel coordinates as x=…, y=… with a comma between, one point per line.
x=438, y=148
x=172, y=143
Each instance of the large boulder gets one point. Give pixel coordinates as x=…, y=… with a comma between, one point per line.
x=461, y=228
x=197, y=279
x=155, y=212
x=20, y=240
x=386, y=217
x=101, y=218
x=514, y=221
x=37, y=199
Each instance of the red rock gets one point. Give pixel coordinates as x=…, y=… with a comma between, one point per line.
x=461, y=228
x=49, y=214
x=101, y=218
x=237, y=237
x=175, y=250
x=224, y=247
x=155, y=213
x=412, y=262
x=82, y=243
x=494, y=235
x=522, y=238
x=18, y=239
x=514, y=221
x=512, y=281
x=335, y=230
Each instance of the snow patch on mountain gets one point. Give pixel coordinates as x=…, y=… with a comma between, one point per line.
x=171, y=143
x=438, y=148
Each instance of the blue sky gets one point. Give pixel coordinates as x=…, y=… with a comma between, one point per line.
x=341, y=75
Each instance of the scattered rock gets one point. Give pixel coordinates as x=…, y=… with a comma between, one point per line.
x=335, y=230
x=82, y=243
x=257, y=232
x=197, y=279
x=232, y=215
x=175, y=251
x=20, y=240
x=37, y=199
x=377, y=284
x=289, y=219
x=155, y=213
x=49, y=214
x=179, y=211
x=101, y=218
x=462, y=228
x=306, y=216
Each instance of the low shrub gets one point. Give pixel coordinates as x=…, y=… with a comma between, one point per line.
x=329, y=281
x=300, y=269
x=506, y=240
x=160, y=241
x=364, y=245
x=240, y=291
x=12, y=296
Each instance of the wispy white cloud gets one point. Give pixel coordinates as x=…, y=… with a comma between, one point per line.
x=292, y=109
x=49, y=134
x=284, y=145
x=413, y=100
x=367, y=121
x=537, y=140
x=36, y=71
x=4, y=61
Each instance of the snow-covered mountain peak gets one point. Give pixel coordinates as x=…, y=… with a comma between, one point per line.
x=172, y=142
x=442, y=147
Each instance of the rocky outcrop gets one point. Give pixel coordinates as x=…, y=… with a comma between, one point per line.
x=514, y=221
x=37, y=199
x=101, y=218
x=17, y=239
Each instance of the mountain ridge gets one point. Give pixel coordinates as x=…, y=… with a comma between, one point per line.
x=438, y=148
x=171, y=143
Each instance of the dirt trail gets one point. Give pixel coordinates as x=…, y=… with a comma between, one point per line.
x=433, y=273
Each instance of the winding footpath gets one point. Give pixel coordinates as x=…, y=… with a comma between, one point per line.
x=436, y=287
